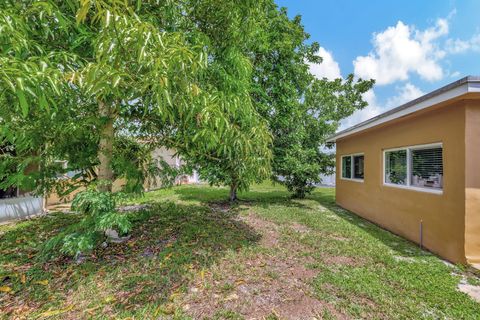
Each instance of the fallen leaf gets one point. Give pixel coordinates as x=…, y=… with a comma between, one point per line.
x=173, y=296
x=92, y=311
x=23, y=279
x=168, y=309
x=42, y=282
x=239, y=282
x=50, y=313
x=5, y=289
x=231, y=297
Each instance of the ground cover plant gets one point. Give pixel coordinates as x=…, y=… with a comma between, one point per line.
x=192, y=255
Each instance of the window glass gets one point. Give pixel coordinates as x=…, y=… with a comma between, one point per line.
x=358, y=163
x=427, y=168
x=347, y=167
x=396, y=167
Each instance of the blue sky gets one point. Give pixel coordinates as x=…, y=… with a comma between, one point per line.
x=409, y=47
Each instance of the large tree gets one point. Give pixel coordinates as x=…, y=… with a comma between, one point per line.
x=85, y=81
x=302, y=111
x=241, y=156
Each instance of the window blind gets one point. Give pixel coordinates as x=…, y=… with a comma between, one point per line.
x=427, y=168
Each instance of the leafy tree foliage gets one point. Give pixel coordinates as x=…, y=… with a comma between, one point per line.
x=302, y=111
x=86, y=81
x=99, y=214
x=242, y=155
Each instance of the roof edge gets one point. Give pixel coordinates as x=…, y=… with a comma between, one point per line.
x=445, y=93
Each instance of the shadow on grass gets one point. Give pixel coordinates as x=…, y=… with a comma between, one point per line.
x=269, y=196
x=168, y=244
x=264, y=198
x=401, y=246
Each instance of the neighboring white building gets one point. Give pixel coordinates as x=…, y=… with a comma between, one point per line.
x=15, y=204
x=20, y=207
x=174, y=161
x=328, y=180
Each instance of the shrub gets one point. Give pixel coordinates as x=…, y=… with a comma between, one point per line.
x=99, y=214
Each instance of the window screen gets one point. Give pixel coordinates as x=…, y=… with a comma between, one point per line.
x=427, y=168
x=347, y=167
x=358, y=163
x=396, y=167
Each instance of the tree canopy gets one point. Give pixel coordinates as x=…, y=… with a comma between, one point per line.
x=301, y=110
x=97, y=83
x=100, y=83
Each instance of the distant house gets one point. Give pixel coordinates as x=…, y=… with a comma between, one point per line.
x=19, y=204
x=415, y=170
x=327, y=180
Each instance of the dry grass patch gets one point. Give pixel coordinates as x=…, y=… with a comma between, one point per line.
x=272, y=280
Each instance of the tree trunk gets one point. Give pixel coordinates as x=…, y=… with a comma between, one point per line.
x=105, y=149
x=233, y=192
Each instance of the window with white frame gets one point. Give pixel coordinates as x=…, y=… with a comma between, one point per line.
x=417, y=167
x=353, y=167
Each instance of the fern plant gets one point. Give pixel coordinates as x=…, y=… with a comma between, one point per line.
x=99, y=214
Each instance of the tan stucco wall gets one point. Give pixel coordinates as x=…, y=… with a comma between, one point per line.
x=401, y=210
x=472, y=182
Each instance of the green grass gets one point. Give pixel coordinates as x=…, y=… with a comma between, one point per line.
x=361, y=271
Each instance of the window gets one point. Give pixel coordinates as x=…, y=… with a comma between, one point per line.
x=353, y=167
x=347, y=167
x=396, y=167
x=358, y=166
x=427, y=168
x=416, y=167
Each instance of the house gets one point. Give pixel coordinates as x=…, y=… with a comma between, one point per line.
x=415, y=170
x=20, y=204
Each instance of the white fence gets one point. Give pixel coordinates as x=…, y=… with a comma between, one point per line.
x=20, y=208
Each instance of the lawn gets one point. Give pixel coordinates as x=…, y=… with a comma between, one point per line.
x=192, y=256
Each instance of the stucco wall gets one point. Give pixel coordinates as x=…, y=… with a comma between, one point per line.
x=401, y=210
x=472, y=182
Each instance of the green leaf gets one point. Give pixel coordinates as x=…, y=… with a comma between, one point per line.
x=23, y=102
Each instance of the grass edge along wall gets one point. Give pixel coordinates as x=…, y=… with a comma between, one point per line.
x=450, y=215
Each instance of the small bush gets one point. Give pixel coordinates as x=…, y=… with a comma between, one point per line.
x=99, y=214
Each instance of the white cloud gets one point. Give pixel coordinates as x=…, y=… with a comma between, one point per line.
x=329, y=68
x=455, y=74
x=407, y=93
x=402, y=49
x=461, y=46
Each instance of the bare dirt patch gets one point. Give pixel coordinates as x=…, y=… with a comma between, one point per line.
x=342, y=260
x=270, y=231
x=220, y=206
x=300, y=228
x=259, y=284
x=471, y=290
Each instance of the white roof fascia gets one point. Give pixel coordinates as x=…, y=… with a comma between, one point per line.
x=449, y=92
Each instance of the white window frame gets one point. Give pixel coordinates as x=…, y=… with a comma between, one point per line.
x=409, y=168
x=352, y=167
